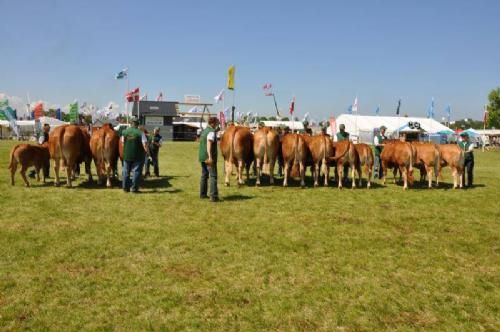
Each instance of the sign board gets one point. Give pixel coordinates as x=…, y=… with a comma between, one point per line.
x=154, y=120
x=192, y=99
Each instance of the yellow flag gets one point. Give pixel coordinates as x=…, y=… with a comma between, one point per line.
x=230, y=77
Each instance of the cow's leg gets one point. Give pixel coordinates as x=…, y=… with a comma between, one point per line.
x=428, y=171
x=23, y=175
x=395, y=173
x=340, y=169
x=271, y=171
x=327, y=175
x=384, y=172
x=57, y=166
x=109, y=174
x=69, y=174
x=258, y=172
x=369, y=173
x=227, y=172
x=404, y=173
x=302, y=169
x=315, y=173
x=37, y=173
x=241, y=164
x=13, y=170
x=286, y=169
x=353, y=176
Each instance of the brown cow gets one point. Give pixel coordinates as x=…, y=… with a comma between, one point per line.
x=295, y=152
x=236, y=146
x=104, y=147
x=453, y=156
x=345, y=155
x=265, y=148
x=399, y=155
x=69, y=145
x=365, y=158
x=427, y=160
x=321, y=149
x=28, y=155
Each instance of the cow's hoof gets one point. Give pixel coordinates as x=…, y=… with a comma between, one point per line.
x=257, y=184
x=57, y=184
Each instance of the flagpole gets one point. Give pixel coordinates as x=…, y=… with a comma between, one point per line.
x=276, y=105
x=126, y=102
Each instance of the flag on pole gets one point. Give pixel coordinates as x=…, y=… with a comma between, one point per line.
x=10, y=115
x=219, y=97
x=349, y=109
x=58, y=114
x=333, y=126
x=3, y=104
x=399, y=106
x=292, y=106
x=268, y=89
x=230, y=77
x=485, y=118
x=355, y=105
x=377, y=111
x=132, y=95
x=38, y=110
x=430, y=111
x=222, y=120
x=160, y=97
x=122, y=74
x=144, y=98
x=73, y=112
x=448, y=112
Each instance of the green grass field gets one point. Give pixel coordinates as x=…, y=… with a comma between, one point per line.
x=267, y=258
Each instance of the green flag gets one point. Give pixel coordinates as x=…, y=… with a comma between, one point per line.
x=2, y=115
x=73, y=112
x=4, y=104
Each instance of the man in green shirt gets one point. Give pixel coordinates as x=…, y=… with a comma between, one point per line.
x=207, y=156
x=342, y=135
x=378, y=142
x=467, y=147
x=135, y=149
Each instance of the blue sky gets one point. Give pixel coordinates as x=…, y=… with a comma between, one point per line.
x=323, y=52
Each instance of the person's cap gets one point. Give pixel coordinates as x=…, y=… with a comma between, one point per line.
x=342, y=126
x=134, y=120
x=157, y=129
x=464, y=134
x=383, y=127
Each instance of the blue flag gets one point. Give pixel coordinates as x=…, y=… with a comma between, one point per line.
x=448, y=112
x=377, y=111
x=349, y=109
x=399, y=106
x=122, y=74
x=430, y=111
x=58, y=114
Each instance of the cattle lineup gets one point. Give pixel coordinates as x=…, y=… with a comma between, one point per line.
x=264, y=151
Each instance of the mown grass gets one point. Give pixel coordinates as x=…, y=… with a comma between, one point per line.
x=268, y=258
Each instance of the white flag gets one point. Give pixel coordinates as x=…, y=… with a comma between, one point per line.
x=355, y=105
x=220, y=96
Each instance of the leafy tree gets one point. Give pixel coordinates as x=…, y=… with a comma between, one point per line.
x=494, y=109
x=272, y=118
x=285, y=119
x=463, y=124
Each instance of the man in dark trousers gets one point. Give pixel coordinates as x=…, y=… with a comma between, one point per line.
x=467, y=147
x=343, y=135
x=135, y=149
x=154, y=148
x=378, y=142
x=207, y=155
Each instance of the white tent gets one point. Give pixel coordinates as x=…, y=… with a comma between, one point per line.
x=295, y=125
x=362, y=126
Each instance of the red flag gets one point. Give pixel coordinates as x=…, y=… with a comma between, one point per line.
x=292, y=106
x=333, y=126
x=132, y=95
x=160, y=97
x=38, y=110
x=222, y=120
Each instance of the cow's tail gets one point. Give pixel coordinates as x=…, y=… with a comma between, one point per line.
x=412, y=155
x=335, y=158
x=103, y=149
x=324, y=165
x=296, y=150
x=437, y=162
x=11, y=160
x=266, y=157
x=461, y=161
x=61, y=140
x=231, y=148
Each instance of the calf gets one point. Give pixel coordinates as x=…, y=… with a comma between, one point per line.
x=28, y=155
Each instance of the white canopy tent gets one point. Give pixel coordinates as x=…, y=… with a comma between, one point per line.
x=362, y=126
x=295, y=125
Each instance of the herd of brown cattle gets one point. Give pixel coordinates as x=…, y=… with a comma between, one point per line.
x=240, y=148
x=70, y=145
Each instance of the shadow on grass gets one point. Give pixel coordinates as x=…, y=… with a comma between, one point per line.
x=237, y=197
